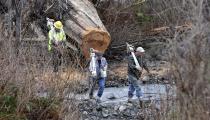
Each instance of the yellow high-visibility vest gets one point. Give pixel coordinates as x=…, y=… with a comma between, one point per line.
x=57, y=36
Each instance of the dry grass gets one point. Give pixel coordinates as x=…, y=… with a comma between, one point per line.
x=25, y=74
x=189, y=58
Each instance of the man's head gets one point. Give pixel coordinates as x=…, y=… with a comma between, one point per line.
x=58, y=26
x=140, y=51
x=99, y=55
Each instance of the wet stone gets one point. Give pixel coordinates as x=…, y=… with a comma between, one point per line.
x=115, y=113
x=105, y=113
x=122, y=108
x=84, y=112
x=133, y=113
x=99, y=108
x=94, y=118
x=116, y=108
x=127, y=113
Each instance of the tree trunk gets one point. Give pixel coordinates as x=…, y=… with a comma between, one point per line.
x=81, y=23
x=84, y=26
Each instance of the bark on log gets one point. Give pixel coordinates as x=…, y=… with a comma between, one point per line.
x=84, y=26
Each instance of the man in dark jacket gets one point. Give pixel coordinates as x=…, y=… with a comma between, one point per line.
x=134, y=72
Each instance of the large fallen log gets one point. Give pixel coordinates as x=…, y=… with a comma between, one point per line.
x=81, y=23
x=84, y=26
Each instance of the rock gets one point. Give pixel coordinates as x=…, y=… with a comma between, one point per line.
x=133, y=113
x=129, y=104
x=94, y=112
x=105, y=113
x=84, y=112
x=111, y=96
x=103, y=105
x=92, y=101
x=122, y=108
x=115, y=113
x=94, y=118
x=116, y=108
x=163, y=62
x=99, y=108
x=127, y=113
x=166, y=81
x=145, y=78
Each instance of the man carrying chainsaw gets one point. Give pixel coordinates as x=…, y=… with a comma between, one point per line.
x=57, y=41
x=98, y=69
x=135, y=70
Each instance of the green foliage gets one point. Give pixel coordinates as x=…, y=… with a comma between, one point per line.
x=30, y=109
x=142, y=18
x=8, y=106
x=141, y=14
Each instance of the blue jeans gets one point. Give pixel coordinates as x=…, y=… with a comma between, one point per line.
x=101, y=83
x=133, y=85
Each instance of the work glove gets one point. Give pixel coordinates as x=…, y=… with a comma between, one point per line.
x=50, y=23
x=139, y=68
x=55, y=43
x=104, y=68
x=63, y=44
x=131, y=49
x=93, y=74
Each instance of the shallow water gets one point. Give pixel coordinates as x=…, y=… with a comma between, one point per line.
x=155, y=92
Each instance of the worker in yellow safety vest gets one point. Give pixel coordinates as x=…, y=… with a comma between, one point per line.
x=57, y=40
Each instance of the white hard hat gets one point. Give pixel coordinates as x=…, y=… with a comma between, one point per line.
x=140, y=49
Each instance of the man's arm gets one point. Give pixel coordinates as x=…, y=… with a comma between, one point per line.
x=105, y=64
x=64, y=35
x=64, y=39
x=145, y=66
x=90, y=66
x=131, y=63
x=50, y=41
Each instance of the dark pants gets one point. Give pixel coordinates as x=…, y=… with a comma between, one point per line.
x=56, y=56
x=133, y=85
x=101, y=83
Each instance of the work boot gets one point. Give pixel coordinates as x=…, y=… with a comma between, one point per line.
x=129, y=100
x=90, y=96
x=98, y=99
x=140, y=102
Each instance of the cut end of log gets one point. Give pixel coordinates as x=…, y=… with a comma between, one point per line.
x=96, y=39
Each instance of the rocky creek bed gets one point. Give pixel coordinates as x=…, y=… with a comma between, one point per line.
x=114, y=104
